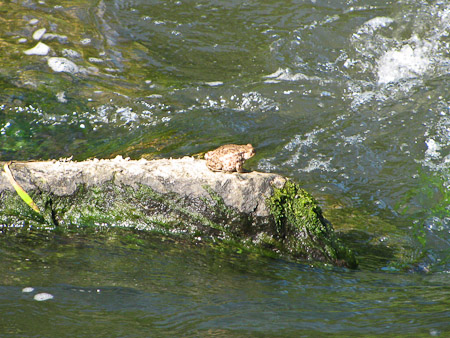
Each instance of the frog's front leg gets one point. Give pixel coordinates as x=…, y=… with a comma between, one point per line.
x=239, y=167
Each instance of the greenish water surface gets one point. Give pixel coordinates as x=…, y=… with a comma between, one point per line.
x=349, y=98
x=126, y=284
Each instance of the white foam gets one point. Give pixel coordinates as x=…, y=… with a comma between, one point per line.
x=127, y=114
x=61, y=97
x=317, y=164
x=255, y=101
x=284, y=75
x=432, y=148
x=369, y=27
x=362, y=98
x=380, y=21
x=401, y=64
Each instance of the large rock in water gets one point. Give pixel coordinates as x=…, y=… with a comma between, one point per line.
x=254, y=211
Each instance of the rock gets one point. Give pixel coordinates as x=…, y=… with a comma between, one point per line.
x=61, y=38
x=58, y=64
x=254, y=211
x=37, y=35
x=186, y=177
x=39, y=49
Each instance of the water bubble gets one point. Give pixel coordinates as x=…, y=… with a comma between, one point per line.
x=27, y=289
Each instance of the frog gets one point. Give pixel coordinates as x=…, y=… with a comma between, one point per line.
x=229, y=157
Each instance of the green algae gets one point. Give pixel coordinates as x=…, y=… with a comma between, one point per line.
x=303, y=230
x=296, y=230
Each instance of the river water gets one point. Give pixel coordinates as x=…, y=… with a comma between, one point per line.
x=349, y=98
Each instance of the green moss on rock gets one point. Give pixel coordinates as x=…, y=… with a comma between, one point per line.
x=302, y=229
x=297, y=229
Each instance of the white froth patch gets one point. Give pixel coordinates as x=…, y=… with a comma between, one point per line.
x=321, y=165
x=254, y=101
x=401, y=64
x=127, y=114
x=369, y=27
x=61, y=97
x=284, y=75
x=362, y=98
x=380, y=21
x=432, y=148
x=62, y=65
x=40, y=297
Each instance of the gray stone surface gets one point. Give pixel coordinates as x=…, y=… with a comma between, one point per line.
x=187, y=176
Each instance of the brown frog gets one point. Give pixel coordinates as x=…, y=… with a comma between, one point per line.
x=229, y=157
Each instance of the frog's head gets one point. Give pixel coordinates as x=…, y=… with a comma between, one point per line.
x=250, y=151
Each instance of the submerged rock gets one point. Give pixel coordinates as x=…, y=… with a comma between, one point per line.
x=37, y=35
x=254, y=211
x=58, y=64
x=39, y=49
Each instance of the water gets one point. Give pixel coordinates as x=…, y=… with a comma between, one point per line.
x=350, y=98
x=124, y=285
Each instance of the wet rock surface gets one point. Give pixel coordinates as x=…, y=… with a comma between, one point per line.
x=256, y=212
x=246, y=192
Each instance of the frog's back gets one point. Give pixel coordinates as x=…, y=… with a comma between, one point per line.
x=229, y=157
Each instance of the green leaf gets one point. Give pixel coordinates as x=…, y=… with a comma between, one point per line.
x=22, y=193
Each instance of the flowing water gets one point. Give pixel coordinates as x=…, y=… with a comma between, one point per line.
x=349, y=98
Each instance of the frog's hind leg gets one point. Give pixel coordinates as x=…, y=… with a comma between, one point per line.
x=213, y=168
